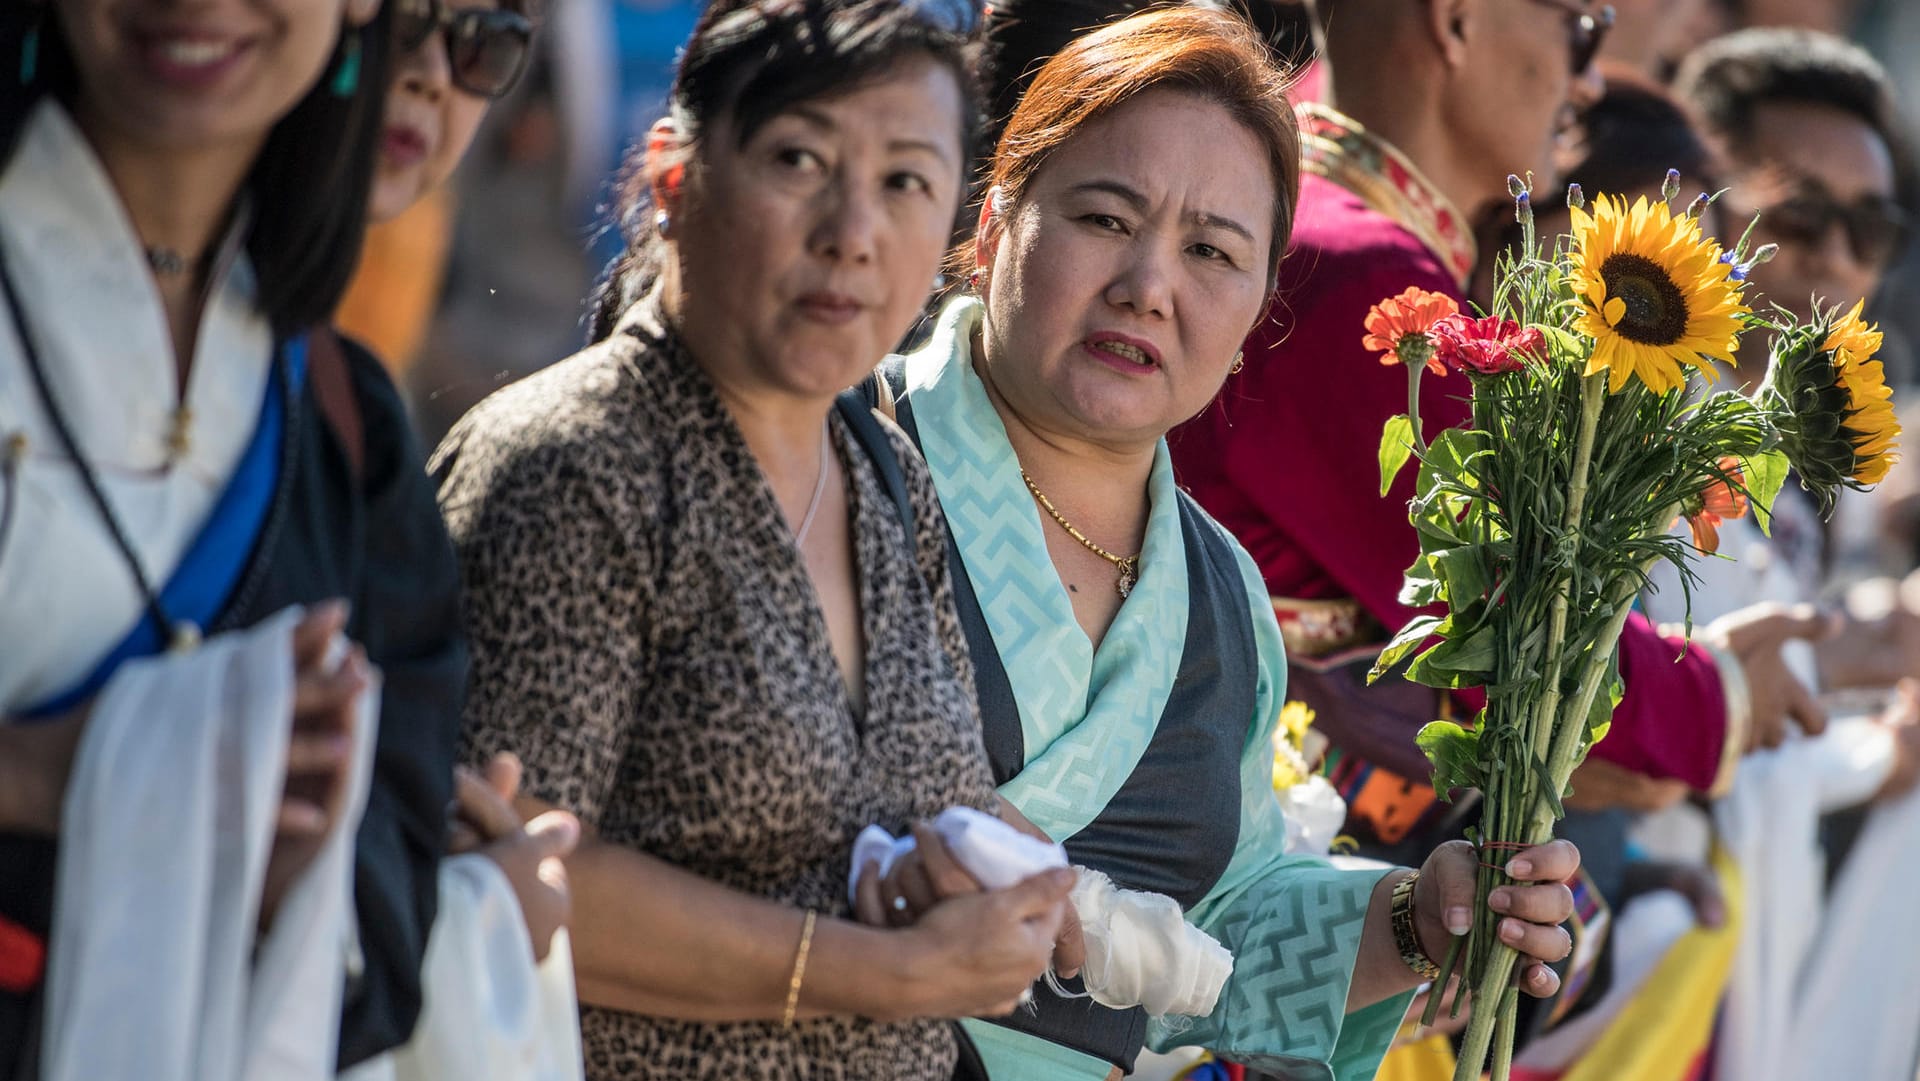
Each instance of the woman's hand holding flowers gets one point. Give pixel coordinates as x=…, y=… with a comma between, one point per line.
x=1533, y=907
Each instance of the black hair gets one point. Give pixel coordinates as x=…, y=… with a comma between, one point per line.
x=1633, y=135
x=752, y=60
x=1022, y=35
x=1287, y=26
x=308, y=187
x=1727, y=80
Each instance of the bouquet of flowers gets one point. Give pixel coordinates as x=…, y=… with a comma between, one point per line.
x=1594, y=431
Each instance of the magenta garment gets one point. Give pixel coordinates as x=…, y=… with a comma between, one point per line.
x=1286, y=459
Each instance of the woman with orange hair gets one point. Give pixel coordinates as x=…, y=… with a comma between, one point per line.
x=1129, y=667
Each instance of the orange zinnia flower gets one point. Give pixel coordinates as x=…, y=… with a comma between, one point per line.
x=1397, y=327
x=1719, y=502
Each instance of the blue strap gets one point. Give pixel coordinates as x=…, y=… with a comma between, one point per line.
x=199, y=587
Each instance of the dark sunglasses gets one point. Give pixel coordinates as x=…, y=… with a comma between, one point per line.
x=487, y=48
x=1876, y=226
x=1586, y=30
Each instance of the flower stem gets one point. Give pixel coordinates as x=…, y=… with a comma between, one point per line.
x=1493, y=980
x=1593, y=397
x=1413, y=408
x=1504, y=1033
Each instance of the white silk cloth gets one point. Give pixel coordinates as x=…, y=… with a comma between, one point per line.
x=1859, y=993
x=154, y=969
x=490, y=1012
x=1141, y=951
x=1804, y=952
x=993, y=852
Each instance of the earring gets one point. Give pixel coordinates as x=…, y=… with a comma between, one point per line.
x=1239, y=362
x=347, y=79
x=664, y=223
x=30, y=54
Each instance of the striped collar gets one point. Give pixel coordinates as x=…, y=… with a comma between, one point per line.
x=1339, y=148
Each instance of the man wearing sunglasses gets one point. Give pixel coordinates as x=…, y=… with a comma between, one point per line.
x=1432, y=104
x=1806, y=124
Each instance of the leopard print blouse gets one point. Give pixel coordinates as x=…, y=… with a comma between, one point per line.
x=646, y=639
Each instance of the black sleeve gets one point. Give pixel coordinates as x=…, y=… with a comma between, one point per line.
x=406, y=612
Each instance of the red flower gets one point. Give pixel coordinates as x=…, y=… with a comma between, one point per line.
x=1489, y=346
x=1719, y=502
x=1398, y=327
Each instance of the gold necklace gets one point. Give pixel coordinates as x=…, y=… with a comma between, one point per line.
x=1128, y=566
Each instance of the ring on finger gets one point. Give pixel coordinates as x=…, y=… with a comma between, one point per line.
x=900, y=903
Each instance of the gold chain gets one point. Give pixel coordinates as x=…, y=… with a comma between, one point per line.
x=1128, y=566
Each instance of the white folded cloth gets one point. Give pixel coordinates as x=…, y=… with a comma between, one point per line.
x=153, y=970
x=994, y=853
x=1315, y=814
x=1141, y=951
x=1833, y=974
x=489, y=1011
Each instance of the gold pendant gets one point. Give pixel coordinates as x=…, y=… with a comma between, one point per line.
x=1129, y=574
x=186, y=638
x=180, y=435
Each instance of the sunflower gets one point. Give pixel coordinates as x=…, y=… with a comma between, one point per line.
x=1831, y=404
x=1870, y=425
x=1655, y=293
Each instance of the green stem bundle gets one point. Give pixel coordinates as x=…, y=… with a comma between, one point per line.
x=1495, y=981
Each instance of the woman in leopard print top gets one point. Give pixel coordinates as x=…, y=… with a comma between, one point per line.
x=696, y=613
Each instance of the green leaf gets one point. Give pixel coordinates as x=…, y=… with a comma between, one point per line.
x=1457, y=662
x=1765, y=474
x=1436, y=519
x=1547, y=791
x=1396, y=446
x=1448, y=457
x=1562, y=343
x=1455, y=754
x=1466, y=572
x=1600, y=714
x=1417, y=630
x=1421, y=586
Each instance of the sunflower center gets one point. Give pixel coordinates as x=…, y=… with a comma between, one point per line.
x=1655, y=310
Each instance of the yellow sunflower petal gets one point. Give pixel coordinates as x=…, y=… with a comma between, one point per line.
x=1690, y=308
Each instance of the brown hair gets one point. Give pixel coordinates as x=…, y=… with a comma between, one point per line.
x=1208, y=53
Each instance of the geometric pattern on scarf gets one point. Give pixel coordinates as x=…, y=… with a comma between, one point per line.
x=1086, y=716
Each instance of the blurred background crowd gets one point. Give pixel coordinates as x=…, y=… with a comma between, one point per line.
x=487, y=277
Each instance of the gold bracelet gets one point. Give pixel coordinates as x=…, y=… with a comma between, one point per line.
x=1406, y=937
x=799, y=970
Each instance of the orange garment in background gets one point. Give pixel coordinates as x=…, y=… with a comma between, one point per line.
x=392, y=298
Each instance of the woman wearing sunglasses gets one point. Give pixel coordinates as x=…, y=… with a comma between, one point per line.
x=453, y=63
x=698, y=617
x=496, y=1007
x=454, y=59
x=191, y=452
